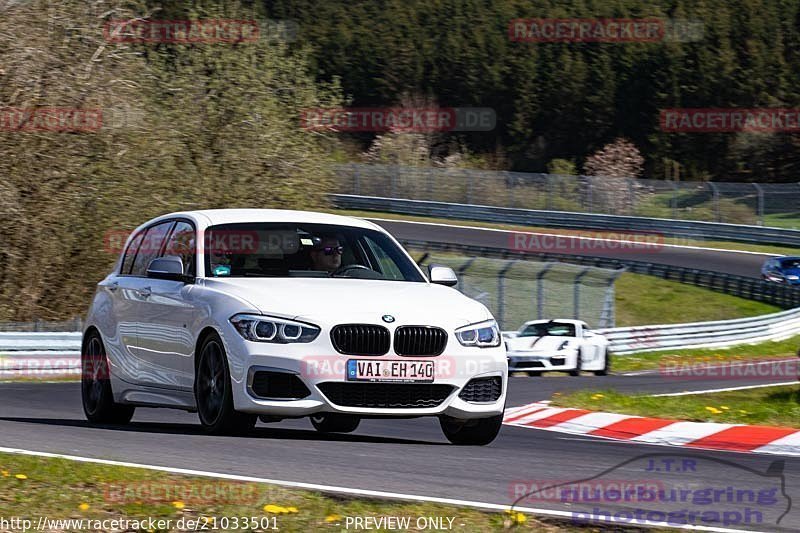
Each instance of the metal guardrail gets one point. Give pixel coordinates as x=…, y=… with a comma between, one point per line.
x=774, y=327
x=782, y=296
x=40, y=341
x=564, y=219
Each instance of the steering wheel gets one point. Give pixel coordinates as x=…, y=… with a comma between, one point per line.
x=345, y=268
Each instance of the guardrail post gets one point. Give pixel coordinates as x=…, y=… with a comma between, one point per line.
x=631, y=196
x=469, y=187
x=548, y=196
x=576, y=293
x=674, y=200
x=760, y=206
x=356, y=180
x=395, y=172
x=540, y=290
x=501, y=291
x=715, y=199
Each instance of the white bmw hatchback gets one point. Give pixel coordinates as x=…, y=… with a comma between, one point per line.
x=242, y=313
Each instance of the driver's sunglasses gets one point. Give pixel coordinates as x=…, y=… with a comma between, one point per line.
x=330, y=250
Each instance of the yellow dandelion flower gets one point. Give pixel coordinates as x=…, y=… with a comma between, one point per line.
x=292, y=510
x=713, y=410
x=724, y=407
x=84, y=507
x=21, y=476
x=5, y=473
x=741, y=411
x=332, y=518
x=275, y=509
x=178, y=505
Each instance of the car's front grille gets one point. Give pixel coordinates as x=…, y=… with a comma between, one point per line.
x=480, y=390
x=360, y=339
x=386, y=395
x=280, y=385
x=419, y=340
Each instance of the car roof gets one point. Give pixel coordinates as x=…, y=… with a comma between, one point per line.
x=789, y=257
x=233, y=216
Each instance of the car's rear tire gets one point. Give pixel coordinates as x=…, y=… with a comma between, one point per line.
x=534, y=373
x=96, y=394
x=334, y=422
x=213, y=392
x=472, y=432
x=606, y=365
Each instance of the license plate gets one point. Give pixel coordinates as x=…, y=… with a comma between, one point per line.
x=389, y=370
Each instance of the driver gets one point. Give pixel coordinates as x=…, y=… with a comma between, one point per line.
x=327, y=254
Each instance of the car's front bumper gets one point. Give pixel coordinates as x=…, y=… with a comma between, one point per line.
x=454, y=368
x=541, y=362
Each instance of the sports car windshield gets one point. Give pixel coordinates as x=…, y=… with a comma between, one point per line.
x=790, y=263
x=554, y=329
x=280, y=250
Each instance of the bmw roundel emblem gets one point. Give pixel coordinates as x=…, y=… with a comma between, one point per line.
x=388, y=319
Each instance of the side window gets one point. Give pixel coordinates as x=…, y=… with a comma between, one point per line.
x=385, y=263
x=130, y=253
x=150, y=247
x=181, y=243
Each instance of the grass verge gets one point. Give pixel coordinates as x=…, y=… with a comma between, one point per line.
x=31, y=487
x=769, y=406
x=643, y=300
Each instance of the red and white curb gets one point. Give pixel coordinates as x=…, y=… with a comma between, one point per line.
x=637, y=429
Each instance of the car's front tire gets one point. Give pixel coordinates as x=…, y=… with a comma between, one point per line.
x=213, y=392
x=472, y=432
x=96, y=394
x=578, y=364
x=335, y=423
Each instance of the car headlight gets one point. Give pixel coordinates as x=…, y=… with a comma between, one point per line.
x=483, y=335
x=792, y=277
x=259, y=328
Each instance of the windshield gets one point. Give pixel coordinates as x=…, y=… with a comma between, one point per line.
x=554, y=329
x=280, y=250
x=790, y=263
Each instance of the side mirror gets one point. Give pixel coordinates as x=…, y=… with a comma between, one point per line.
x=170, y=268
x=442, y=275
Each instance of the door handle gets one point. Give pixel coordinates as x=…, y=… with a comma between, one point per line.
x=146, y=292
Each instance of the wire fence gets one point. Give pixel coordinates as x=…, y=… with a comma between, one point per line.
x=519, y=290
x=773, y=204
x=75, y=324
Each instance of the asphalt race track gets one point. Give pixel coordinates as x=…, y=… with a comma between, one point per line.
x=729, y=262
x=403, y=456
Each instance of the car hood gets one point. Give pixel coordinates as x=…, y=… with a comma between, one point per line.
x=547, y=344
x=331, y=301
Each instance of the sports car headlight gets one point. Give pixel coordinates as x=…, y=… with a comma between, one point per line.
x=792, y=277
x=482, y=335
x=276, y=330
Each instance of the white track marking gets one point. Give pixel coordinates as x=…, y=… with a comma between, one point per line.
x=364, y=492
x=681, y=433
x=590, y=422
x=538, y=415
x=787, y=445
x=708, y=391
x=683, y=246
